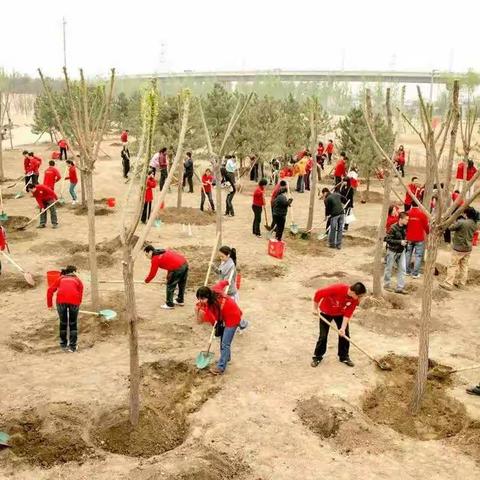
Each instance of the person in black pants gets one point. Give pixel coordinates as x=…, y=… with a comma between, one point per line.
x=188, y=172
x=257, y=206
x=280, y=209
x=125, y=154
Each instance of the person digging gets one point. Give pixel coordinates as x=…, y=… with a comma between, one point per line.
x=336, y=303
x=177, y=268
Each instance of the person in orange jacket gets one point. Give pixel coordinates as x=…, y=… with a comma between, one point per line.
x=147, y=205
x=51, y=175
x=63, y=145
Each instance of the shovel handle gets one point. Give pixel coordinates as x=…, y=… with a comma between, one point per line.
x=89, y=313
x=211, y=259
x=332, y=325
x=465, y=369
x=42, y=212
x=10, y=259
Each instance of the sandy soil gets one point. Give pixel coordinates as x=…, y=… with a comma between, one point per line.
x=272, y=416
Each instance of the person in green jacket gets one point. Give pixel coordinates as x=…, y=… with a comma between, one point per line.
x=463, y=230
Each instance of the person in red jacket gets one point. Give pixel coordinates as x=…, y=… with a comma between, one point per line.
x=177, y=268
x=340, y=169
x=329, y=151
x=414, y=189
x=417, y=230
x=392, y=217
x=147, y=205
x=72, y=176
x=400, y=160
x=216, y=308
x=207, y=182
x=26, y=167
x=51, y=175
x=124, y=137
x=336, y=303
x=46, y=199
x=3, y=243
x=34, y=165
x=69, y=290
x=63, y=145
x=258, y=203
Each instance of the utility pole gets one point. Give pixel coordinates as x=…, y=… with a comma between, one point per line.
x=64, y=22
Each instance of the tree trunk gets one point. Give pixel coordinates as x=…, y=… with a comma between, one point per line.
x=313, y=186
x=218, y=195
x=2, y=172
x=180, y=184
x=92, y=254
x=423, y=338
x=82, y=190
x=131, y=313
x=51, y=136
x=377, y=259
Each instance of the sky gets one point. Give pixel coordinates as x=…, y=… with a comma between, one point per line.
x=209, y=35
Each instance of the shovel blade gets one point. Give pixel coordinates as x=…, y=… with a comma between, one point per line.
x=203, y=359
x=294, y=228
x=108, y=315
x=3, y=217
x=4, y=439
x=29, y=279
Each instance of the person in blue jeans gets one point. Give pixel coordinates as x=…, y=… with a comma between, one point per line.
x=415, y=251
x=222, y=312
x=335, y=214
x=396, y=254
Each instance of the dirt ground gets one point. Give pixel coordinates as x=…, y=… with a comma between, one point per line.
x=271, y=416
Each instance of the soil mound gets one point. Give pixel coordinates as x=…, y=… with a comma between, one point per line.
x=14, y=282
x=326, y=278
x=81, y=260
x=473, y=274
x=193, y=216
x=311, y=246
x=170, y=392
x=356, y=241
x=99, y=211
x=371, y=197
x=369, y=231
x=262, y=272
x=15, y=222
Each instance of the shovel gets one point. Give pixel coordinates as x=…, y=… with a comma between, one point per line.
x=3, y=215
x=16, y=181
x=106, y=314
x=26, y=275
x=4, y=439
x=293, y=225
x=23, y=227
x=383, y=365
x=441, y=371
x=267, y=226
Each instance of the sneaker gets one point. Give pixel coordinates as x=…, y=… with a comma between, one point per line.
x=401, y=292
x=216, y=371
x=167, y=307
x=243, y=325
x=180, y=304
x=41, y=226
x=71, y=349
x=446, y=286
x=55, y=225
x=460, y=286
x=474, y=390
x=347, y=361
x=338, y=247
x=315, y=362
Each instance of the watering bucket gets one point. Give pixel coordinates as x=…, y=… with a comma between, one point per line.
x=52, y=277
x=111, y=202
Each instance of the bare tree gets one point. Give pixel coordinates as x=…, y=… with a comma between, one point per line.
x=88, y=115
x=4, y=106
x=313, y=146
x=466, y=133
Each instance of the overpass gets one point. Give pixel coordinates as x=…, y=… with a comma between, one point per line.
x=434, y=76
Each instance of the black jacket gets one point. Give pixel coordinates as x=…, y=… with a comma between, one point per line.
x=394, y=238
x=347, y=193
x=333, y=205
x=281, y=204
x=188, y=167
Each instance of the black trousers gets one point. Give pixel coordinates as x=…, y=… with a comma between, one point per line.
x=147, y=210
x=338, y=180
x=406, y=207
x=401, y=169
x=28, y=179
x=229, y=203
x=257, y=219
x=126, y=166
x=34, y=178
x=187, y=177
x=163, y=177
x=272, y=226
x=254, y=173
x=306, y=181
x=279, y=222
x=210, y=199
x=68, y=314
x=177, y=277
x=329, y=155
x=63, y=151
x=343, y=344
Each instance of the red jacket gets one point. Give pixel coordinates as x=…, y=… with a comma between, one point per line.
x=275, y=190
x=471, y=172
x=26, y=164
x=417, y=226
x=259, y=197
x=340, y=168
x=391, y=220
x=329, y=148
x=3, y=238
x=454, y=199
x=63, y=143
x=34, y=165
x=124, y=137
x=320, y=151
x=412, y=190
x=51, y=176
x=44, y=194
x=207, y=182
x=72, y=174
x=230, y=312
x=460, y=170
x=170, y=260
x=334, y=300
x=69, y=289
x=400, y=158
x=151, y=184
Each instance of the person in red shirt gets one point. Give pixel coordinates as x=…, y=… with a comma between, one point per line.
x=69, y=290
x=124, y=137
x=329, y=151
x=63, y=145
x=34, y=166
x=417, y=230
x=459, y=176
x=46, y=199
x=336, y=303
x=147, y=204
x=340, y=169
x=220, y=310
x=72, y=176
x=51, y=175
x=400, y=160
x=26, y=167
x=177, y=268
x=207, y=182
x=3, y=243
x=257, y=206
x=414, y=189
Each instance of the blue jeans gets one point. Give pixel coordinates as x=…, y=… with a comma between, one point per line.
x=416, y=250
x=225, y=343
x=73, y=194
x=336, y=230
x=399, y=260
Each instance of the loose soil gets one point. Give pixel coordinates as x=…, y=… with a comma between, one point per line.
x=14, y=222
x=170, y=392
x=15, y=282
x=262, y=272
x=440, y=416
x=82, y=260
x=99, y=211
x=372, y=197
x=325, y=278
x=472, y=279
x=356, y=241
x=186, y=215
x=311, y=246
x=369, y=231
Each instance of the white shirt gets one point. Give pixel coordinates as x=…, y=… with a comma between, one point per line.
x=231, y=165
x=155, y=161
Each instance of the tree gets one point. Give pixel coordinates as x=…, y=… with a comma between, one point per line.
x=293, y=126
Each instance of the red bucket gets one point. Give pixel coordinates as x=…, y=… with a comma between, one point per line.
x=111, y=202
x=238, y=281
x=52, y=277
x=475, y=239
x=276, y=249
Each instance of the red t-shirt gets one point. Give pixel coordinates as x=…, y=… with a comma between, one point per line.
x=413, y=190
x=308, y=166
x=72, y=174
x=340, y=168
x=163, y=161
x=207, y=182
x=69, y=289
x=334, y=300
x=50, y=177
x=151, y=184
x=44, y=194
x=329, y=148
x=124, y=137
x=417, y=226
x=259, y=197
x=63, y=143
x=170, y=260
x=230, y=312
x=3, y=239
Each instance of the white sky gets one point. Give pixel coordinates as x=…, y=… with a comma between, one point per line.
x=239, y=35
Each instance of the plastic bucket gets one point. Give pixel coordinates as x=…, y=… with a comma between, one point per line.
x=52, y=277
x=276, y=249
x=111, y=202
